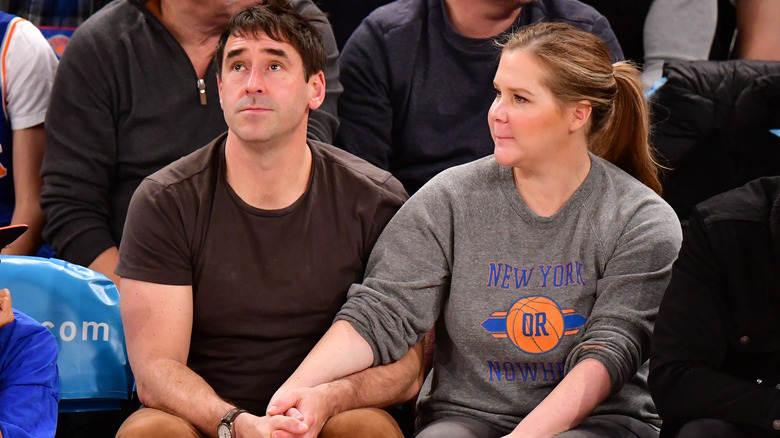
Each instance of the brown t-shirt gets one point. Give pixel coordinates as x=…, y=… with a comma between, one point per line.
x=266, y=284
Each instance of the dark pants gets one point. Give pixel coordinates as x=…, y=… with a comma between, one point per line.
x=597, y=426
x=710, y=428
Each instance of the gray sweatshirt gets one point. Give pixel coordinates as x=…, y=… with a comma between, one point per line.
x=519, y=299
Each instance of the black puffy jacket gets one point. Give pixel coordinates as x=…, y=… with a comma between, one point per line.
x=712, y=125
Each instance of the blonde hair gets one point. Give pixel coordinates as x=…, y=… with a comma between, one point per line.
x=580, y=68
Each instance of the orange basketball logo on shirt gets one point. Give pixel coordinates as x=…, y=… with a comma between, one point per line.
x=534, y=324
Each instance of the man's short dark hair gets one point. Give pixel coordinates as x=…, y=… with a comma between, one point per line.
x=280, y=22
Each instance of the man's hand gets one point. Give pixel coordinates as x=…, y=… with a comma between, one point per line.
x=279, y=426
x=310, y=404
x=6, y=312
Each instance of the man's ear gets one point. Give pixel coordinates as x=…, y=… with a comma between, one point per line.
x=219, y=88
x=317, y=87
x=580, y=112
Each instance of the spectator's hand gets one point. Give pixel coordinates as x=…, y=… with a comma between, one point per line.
x=309, y=404
x=279, y=426
x=6, y=312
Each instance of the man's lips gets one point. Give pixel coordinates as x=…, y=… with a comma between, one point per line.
x=254, y=109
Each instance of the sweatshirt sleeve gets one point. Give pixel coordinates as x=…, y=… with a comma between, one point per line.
x=690, y=344
x=407, y=277
x=629, y=291
x=79, y=165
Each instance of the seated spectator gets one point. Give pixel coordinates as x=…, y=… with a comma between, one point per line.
x=135, y=91
x=237, y=257
x=715, y=364
x=28, y=66
x=29, y=381
x=417, y=78
x=541, y=266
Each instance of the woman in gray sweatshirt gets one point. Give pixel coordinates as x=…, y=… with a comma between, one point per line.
x=541, y=267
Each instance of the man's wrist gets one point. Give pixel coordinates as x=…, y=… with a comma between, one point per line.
x=339, y=396
x=226, y=427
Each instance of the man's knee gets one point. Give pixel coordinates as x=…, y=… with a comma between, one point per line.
x=153, y=423
x=361, y=423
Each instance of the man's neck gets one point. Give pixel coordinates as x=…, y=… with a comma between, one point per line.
x=196, y=25
x=482, y=18
x=268, y=177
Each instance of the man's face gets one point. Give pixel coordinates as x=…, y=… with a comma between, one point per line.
x=262, y=89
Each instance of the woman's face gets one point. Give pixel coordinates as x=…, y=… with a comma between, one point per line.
x=529, y=126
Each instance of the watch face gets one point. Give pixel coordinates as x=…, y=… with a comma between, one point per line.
x=224, y=431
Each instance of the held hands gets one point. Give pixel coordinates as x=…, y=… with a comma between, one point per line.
x=6, y=312
x=309, y=405
x=279, y=426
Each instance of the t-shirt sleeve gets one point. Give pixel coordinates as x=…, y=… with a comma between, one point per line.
x=154, y=246
x=29, y=66
x=629, y=292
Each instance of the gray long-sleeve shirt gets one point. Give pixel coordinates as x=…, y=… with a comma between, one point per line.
x=519, y=299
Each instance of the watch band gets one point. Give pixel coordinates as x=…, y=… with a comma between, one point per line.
x=230, y=417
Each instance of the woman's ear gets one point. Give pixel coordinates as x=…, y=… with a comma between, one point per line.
x=580, y=112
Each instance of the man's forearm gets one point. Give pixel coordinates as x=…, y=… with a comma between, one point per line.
x=374, y=387
x=171, y=386
x=381, y=386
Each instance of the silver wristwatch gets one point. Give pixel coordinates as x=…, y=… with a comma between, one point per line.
x=225, y=428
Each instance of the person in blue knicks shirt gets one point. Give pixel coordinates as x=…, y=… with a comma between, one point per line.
x=29, y=379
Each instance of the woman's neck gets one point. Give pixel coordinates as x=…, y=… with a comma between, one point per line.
x=546, y=189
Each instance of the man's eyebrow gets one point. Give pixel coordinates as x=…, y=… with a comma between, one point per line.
x=277, y=52
x=239, y=51
x=234, y=52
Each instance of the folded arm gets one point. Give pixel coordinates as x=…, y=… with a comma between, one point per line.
x=157, y=320
x=373, y=387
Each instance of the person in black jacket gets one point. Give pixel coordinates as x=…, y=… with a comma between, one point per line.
x=715, y=362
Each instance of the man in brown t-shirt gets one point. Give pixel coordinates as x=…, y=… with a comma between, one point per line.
x=236, y=258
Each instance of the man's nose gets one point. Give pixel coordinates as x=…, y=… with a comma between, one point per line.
x=255, y=82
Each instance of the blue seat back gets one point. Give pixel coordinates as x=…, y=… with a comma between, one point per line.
x=81, y=308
